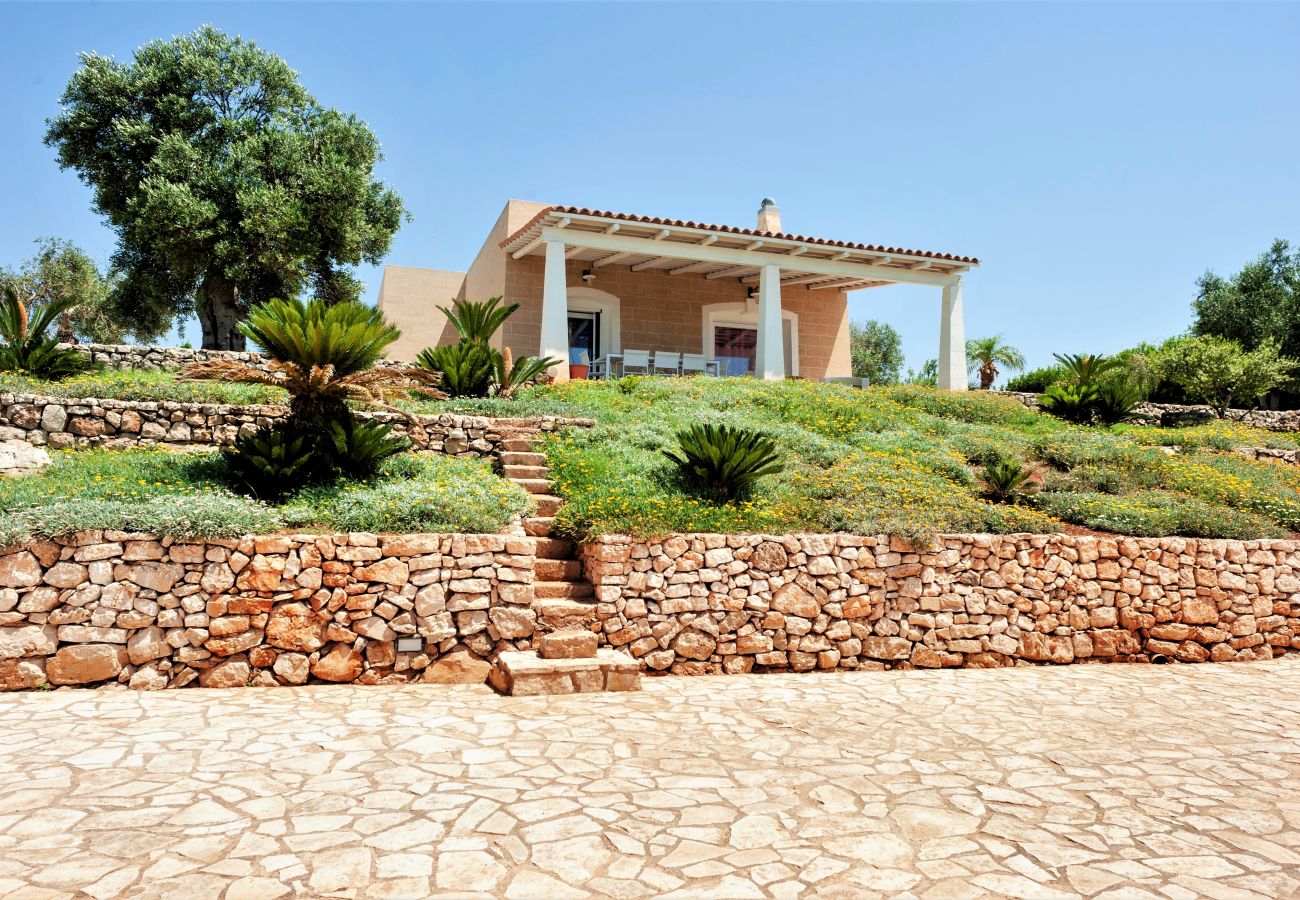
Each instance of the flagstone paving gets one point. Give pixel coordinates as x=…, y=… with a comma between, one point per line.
x=1096, y=781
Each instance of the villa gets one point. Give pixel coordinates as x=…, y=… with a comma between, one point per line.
x=609, y=292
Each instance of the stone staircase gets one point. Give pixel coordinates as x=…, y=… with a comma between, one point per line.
x=563, y=598
x=567, y=659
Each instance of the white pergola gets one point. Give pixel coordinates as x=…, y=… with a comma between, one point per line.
x=771, y=261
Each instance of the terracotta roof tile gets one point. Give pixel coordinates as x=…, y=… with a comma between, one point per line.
x=732, y=229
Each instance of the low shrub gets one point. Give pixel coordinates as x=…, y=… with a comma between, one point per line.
x=1155, y=514
x=1035, y=381
x=1218, y=434
x=143, y=385
x=191, y=495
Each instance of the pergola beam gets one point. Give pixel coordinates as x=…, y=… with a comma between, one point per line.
x=693, y=267
x=612, y=258
x=731, y=273
x=624, y=246
x=651, y=263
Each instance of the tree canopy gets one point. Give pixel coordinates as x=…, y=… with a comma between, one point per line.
x=1222, y=374
x=1258, y=304
x=875, y=352
x=61, y=271
x=226, y=181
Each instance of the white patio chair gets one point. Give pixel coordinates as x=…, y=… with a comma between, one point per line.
x=599, y=369
x=667, y=362
x=695, y=364
x=636, y=359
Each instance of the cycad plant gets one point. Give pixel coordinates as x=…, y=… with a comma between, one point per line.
x=477, y=321
x=723, y=463
x=472, y=367
x=513, y=374
x=1116, y=402
x=465, y=369
x=1069, y=401
x=1090, y=368
x=984, y=355
x=1096, y=388
x=323, y=355
x=1006, y=480
x=27, y=346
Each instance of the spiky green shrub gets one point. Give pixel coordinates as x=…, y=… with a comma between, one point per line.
x=358, y=448
x=276, y=460
x=723, y=462
x=1116, y=402
x=322, y=354
x=472, y=367
x=25, y=344
x=465, y=369
x=512, y=374
x=477, y=321
x=1006, y=480
x=1071, y=402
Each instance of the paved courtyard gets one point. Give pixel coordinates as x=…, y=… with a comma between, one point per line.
x=1094, y=781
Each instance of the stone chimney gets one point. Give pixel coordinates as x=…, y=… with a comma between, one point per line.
x=769, y=217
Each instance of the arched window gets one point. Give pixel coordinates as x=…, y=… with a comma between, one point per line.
x=731, y=336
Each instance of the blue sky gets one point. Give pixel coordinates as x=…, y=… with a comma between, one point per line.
x=1097, y=157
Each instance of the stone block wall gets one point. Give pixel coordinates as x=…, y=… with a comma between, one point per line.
x=710, y=603
x=110, y=607
x=1169, y=413
x=63, y=424
x=133, y=356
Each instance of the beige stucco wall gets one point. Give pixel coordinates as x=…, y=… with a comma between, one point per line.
x=665, y=312
x=409, y=297
x=486, y=277
x=658, y=311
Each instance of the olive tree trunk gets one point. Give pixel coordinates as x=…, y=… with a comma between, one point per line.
x=219, y=314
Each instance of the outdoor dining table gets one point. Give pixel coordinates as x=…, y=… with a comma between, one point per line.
x=605, y=365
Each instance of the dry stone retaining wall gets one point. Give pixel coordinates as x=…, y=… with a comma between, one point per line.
x=1175, y=413
x=132, y=356
x=61, y=423
x=709, y=603
x=154, y=613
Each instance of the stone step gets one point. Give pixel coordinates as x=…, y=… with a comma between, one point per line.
x=553, y=548
x=516, y=445
x=538, y=526
x=523, y=459
x=547, y=505
x=525, y=674
x=568, y=643
x=524, y=473
x=557, y=570
x=566, y=590
x=534, y=485
x=558, y=608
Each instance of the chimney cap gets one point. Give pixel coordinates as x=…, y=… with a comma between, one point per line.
x=768, y=203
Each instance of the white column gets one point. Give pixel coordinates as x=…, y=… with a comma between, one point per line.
x=555, y=310
x=952, y=341
x=769, y=362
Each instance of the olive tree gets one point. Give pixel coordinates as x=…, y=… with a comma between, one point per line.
x=1218, y=372
x=226, y=181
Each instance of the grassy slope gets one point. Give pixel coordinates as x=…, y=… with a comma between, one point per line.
x=139, y=385
x=898, y=460
x=187, y=495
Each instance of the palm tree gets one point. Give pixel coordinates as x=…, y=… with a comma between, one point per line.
x=984, y=355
